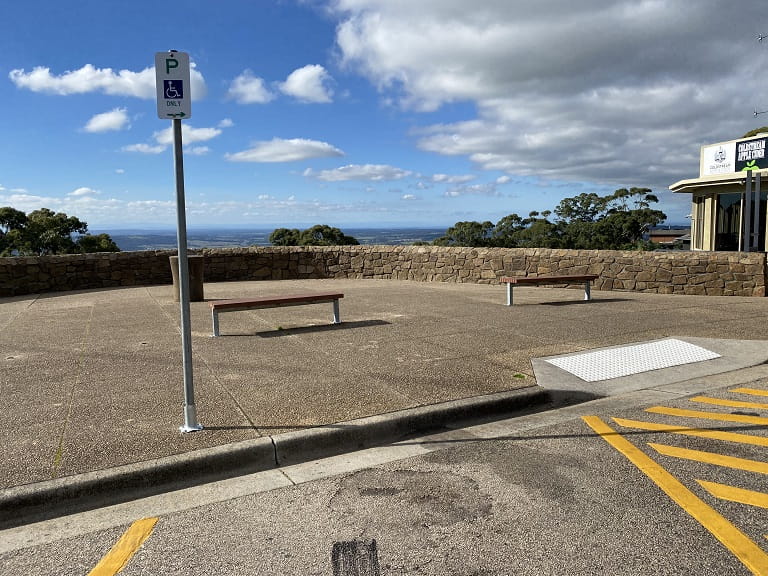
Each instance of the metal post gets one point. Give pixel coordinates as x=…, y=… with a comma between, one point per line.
x=746, y=216
x=756, y=227
x=190, y=413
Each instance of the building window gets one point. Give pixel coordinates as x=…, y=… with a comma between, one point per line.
x=697, y=222
x=728, y=221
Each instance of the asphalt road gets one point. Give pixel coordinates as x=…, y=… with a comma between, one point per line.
x=607, y=487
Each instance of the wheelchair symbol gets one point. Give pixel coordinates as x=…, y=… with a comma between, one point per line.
x=174, y=89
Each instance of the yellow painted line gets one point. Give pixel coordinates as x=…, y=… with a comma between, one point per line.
x=699, y=432
x=733, y=494
x=743, y=418
x=712, y=458
x=730, y=403
x=749, y=553
x=117, y=558
x=752, y=391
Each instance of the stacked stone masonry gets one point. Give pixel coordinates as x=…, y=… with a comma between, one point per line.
x=699, y=273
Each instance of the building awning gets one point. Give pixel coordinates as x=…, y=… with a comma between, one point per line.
x=711, y=184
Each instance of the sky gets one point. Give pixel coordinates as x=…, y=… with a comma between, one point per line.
x=369, y=113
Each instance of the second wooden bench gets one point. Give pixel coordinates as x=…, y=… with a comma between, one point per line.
x=220, y=306
x=510, y=281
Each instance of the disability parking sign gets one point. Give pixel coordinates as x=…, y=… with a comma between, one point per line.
x=174, y=100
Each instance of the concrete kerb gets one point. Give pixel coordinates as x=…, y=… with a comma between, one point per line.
x=53, y=498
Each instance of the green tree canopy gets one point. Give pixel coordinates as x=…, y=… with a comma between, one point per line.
x=318, y=235
x=756, y=131
x=44, y=231
x=587, y=221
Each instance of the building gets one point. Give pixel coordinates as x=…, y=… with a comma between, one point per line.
x=729, y=198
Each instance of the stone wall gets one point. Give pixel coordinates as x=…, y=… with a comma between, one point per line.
x=702, y=273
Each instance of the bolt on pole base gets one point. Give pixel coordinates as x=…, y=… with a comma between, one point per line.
x=190, y=420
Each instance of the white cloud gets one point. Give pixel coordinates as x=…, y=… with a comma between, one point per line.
x=487, y=189
x=115, y=119
x=309, y=84
x=90, y=79
x=226, y=123
x=408, y=197
x=80, y=192
x=280, y=150
x=145, y=148
x=368, y=172
x=189, y=135
x=249, y=89
x=612, y=92
x=449, y=179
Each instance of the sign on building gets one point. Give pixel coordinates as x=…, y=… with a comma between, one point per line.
x=734, y=156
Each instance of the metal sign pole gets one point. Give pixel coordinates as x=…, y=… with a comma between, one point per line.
x=756, y=212
x=746, y=207
x=172, y=83
x=190, y=413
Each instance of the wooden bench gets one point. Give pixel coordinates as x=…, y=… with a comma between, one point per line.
x=510, y=281
x=220, y=306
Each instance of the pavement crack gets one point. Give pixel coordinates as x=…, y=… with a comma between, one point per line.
x=58, y=456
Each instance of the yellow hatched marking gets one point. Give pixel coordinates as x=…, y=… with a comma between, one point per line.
x=712, y=458
x=730, y=403
x=743, y=418
x=124, y=549
x=733, y=494
x=752, y=391
x=731, y=537
x=699, y=432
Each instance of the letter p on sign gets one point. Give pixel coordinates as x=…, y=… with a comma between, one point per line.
x=170, y=64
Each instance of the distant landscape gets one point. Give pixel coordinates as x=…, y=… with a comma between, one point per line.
x=137, y=240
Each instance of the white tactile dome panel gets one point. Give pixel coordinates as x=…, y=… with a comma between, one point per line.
x=626, y=360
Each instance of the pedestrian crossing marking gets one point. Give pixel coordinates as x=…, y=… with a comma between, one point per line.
x=752, y=391
x=730, y=403
x=699, y=432
x=734, y=494
x=711, y=458
x=740, y=545
x=743, y=418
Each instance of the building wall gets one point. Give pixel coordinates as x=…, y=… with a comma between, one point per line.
x=677, y=272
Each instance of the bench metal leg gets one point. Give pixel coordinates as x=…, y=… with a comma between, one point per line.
x=336, y=319
x=509, y=294
x=215, y=318
x=587, y=293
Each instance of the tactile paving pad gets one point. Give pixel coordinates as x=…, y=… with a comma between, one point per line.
x=626, y=360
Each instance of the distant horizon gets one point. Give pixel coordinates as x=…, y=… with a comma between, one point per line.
x=241, y=228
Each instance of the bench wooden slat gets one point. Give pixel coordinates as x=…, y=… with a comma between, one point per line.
x=547, y=279
x=538, y=280
x=273, y=301
x=220, y=306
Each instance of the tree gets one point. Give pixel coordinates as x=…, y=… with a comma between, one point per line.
x=587, y=221
x=285, y=237
x=467, y=234
x=318, y=235
x=324, y=235
x=756, y=131
x=44, y=231
x=101, y=243
x=49, y=232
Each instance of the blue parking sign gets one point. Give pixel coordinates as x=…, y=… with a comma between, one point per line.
x=173, y=89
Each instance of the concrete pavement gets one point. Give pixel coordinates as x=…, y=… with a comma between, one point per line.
x=92, y=381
